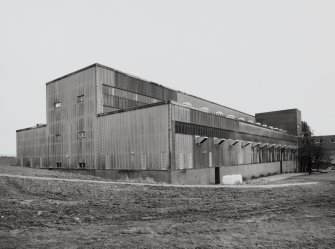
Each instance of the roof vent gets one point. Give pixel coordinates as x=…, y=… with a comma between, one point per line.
x=246, y=144
x=187, y=103
x=264, y=125
x=276, y=129
x=230, y=116
x=271, y=127
x=199, y=140
x=218, y=141
x=250, y=121
x=241, y=119
x=205, y=109
x=258, y=123
x=219, y=113
x=234, y=142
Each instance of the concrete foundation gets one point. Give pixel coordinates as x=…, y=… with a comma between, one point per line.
x=193, y=176
x=203, y=176
x=147, y=176
x=249, y=171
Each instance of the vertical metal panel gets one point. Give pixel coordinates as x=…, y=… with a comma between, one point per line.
x=143, y=87
x=199, y=103
x=32, y=147
x=184, y=145
x=71, y=118
x=129, y=135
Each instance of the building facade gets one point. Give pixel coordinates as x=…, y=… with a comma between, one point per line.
x=328, y=143
x=108, y=123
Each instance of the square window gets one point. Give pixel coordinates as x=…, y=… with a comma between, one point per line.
x=80, y=98
x=81, y=134
x=81, y=165
x=57, y=137
x=58, y=165
x=332, y=140
x=58, y=104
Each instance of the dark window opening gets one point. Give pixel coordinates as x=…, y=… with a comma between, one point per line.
x=58, y=165
x=57, y=137
x=81, y=165
x=80, y=98
x=81, y=134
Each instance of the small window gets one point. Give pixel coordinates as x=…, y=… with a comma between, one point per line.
x=321, y=141
x=81, y=165
x=81, y=134
x=57, y=137
x=80, y=98
x=317, y=141
x=332, y=140
x=58, y=104
x=58, y=165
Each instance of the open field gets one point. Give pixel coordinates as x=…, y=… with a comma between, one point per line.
x=58, y=214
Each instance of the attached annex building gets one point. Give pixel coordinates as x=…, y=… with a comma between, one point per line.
x=108, y=123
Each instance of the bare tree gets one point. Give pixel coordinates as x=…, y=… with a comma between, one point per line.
x=311, y=153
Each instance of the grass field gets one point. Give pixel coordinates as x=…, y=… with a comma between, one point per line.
x=37, y=213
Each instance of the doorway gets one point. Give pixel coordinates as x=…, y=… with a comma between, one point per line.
x=217, y=175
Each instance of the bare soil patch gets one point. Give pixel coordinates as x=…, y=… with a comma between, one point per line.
x=59, y=214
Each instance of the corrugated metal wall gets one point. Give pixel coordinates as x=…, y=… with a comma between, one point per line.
x=238, y=148
x=213, y=107
x=72, y=117
x=134, y=140
x=31, y=145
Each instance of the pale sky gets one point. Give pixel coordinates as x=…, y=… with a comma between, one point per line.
x=253, y=56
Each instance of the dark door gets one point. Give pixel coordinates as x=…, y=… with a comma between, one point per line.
x=217, y=175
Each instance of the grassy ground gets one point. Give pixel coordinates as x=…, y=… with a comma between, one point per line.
x=56, y=214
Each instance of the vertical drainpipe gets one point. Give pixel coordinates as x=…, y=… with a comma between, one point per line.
x=171, y=139
x=281, y=161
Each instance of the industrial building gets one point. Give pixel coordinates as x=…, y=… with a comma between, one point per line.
x=328, y=143
x=111, y=124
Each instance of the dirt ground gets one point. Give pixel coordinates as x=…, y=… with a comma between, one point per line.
x=57, y=214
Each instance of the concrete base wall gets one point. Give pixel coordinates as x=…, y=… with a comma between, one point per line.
x=193, y=176
x=255, y=170
x=203, y=176
x=290, y=167
x=147, y=176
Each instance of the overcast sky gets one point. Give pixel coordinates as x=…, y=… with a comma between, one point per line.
x=253, y=56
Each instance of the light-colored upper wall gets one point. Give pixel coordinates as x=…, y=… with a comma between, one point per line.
x=72, y=117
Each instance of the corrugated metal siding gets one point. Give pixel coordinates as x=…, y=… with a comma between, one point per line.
x=135, y=139
x=32, y=150
x=184, y=151
x=126, y=82
x=264, y=132
x=187, y=115
x=199, y=103
x=71, y=118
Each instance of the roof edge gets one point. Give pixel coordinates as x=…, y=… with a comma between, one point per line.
x=31, y=128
